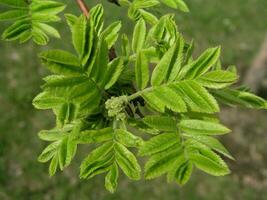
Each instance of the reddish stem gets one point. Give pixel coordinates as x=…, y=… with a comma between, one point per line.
x=84, y=8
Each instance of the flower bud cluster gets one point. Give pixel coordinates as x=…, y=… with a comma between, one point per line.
x=115, y=107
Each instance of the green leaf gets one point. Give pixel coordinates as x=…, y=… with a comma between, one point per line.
x=182, y=5
x=66, y=152
x=53, y=166
x=125, y=45
x=48, y=29
x=212, y=143
x=16, y=30
x=46, y=101
x=139, y=35
x=188, y=53
x=111, y=179
x=98, y=161
x=148, y=17
x=66, y=113
x=170, y=98
x=100, y=66
x=141, y=126
x=202, y=64
x=31, y=20
x=49, y=152
x=47, y=7
x=152, y=100
x=161, y=123
x=52, y=135
x=161, y=163
x=217, y=79
x=175, y=67
x=164, y=68
x=13, y=14
x=59, y=81
x=145, y=4
x=114, y=71
x=175, y=95
x=159, y=143
x=196, y=97
x=208, y=161
x=95, y=136
x=181, y=171
x=127, y=139
x=39, y=36
x=111, y=33
x=79, y=35
x=240, y=98
x=176, y=4
x=14, y=3
x=97, y=16
x=127, y=162
x=141, y=70
x=201, y=127
x=61, y=62
x=71, y=20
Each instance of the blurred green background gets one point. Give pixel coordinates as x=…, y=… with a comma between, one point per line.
x=238, y=25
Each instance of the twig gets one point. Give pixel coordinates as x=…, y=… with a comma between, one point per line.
x=84, y=8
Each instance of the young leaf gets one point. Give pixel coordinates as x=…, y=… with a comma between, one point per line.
x=98, y=161
x=14, y=3
x=111, y=179
x=91, y=136
x=61, y=62
x=148, y=17
x=164, y=67
x=127, y=162
x=170, y=98
x=13, y=15
x=114, y=71
x=100, y=66
x=202, y=64
x=53, y=166
x=127, y=139
x=51, y=135
x=97, y=15
x=79, y=35
x=139, y=35
x=125, y=46
x=31, y=20
x=48, y=29
x=145, y=4
x=212, y=143
x=196, y=97
x=161, y=123
x=201, y=127
x=45, y=100
x=161, y=163
x=208, y=161
x=111, y=33
x=141, y=70
x=217, y=79
x=159, y=143
x=241, y=98
x=181, y=171
x=49, y=152
x=176, y=4
x=71, y=20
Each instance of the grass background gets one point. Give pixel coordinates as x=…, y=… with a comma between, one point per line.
x=238, y=25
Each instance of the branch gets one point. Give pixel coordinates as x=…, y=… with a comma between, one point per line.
x=84, y=8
